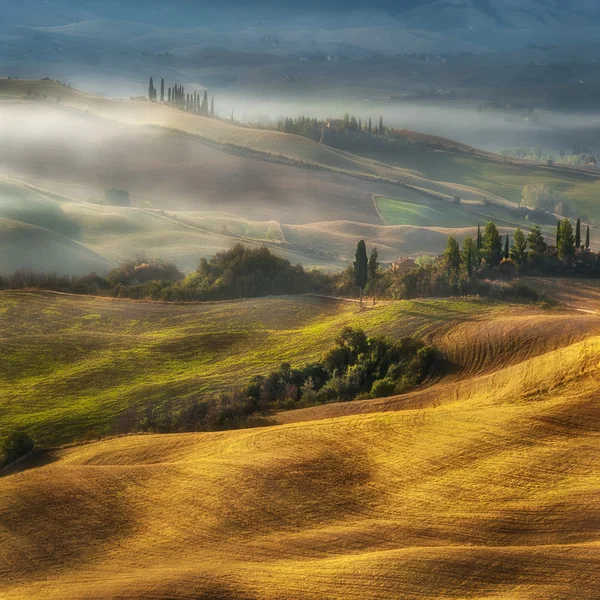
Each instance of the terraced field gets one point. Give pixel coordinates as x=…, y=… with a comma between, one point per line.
x=483, y=486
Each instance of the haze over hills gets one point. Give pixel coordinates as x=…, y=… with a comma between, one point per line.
x=199, y=184
x=299, y=300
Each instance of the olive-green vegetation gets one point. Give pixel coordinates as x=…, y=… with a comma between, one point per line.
x=16, y=444
x=502, y=178
x=399, y=212
x=75, y=365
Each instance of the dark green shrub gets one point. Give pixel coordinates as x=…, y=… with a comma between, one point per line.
x=383, y=388
x=15, y=445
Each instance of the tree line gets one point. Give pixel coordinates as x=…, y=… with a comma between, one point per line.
x=177, y=96
x=328, y=131
x=482, y=259
x=243, y=272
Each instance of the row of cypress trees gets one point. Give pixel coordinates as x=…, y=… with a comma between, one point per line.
x=177, y=96
x=489, y=247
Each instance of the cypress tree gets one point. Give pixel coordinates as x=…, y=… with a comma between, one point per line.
x=373, y=264
x=587, y=238
x=212, y=106
x=381, y=127
x=557, y=233
x=359, y=125
x=162, y=90
x=506, y=247
x=370, y=126
x=470, y=261
x=578, y=235
x=205, y=103
x=361, y=268
x=479, y=244
x=536, y=242
x=169, y=95
x=492, y=245
x=566, y=240
x=518, y=251
x=151, y=89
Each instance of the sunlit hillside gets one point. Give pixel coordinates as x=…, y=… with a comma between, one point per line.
x=76, y=366
x=482, y=486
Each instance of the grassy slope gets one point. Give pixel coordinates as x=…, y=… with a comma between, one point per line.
x=74, y=365
x=502, y=178
x=489, y=489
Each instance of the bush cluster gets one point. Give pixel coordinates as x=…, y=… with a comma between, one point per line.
x=357, y=366
x=15, y=445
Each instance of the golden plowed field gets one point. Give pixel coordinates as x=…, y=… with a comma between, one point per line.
x=483, y=486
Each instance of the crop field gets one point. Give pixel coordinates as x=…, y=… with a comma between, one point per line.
x=73, y=364
x=501, y=178
x=398, y=212
x=482, y=486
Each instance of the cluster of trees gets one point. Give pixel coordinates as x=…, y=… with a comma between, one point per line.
x=357, y=366
x=578, y=156
x=329, y=130
x=177, y=96
x=245, y=272
x=468, y=270
x=236, y=273
x=538, y=196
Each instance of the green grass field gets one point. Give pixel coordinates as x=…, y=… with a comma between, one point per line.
x=72, y=365
x=397, y=212
x=505, y=179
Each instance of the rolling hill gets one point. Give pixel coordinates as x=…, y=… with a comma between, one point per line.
x=198, y=185
x=482, y=486
x=92, y=363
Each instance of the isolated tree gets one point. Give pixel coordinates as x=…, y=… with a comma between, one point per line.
x=519, y=249
x=536, y=242
x=506, y=247
x=578, y=235
x=361, y=268
x=212, y=106
x=492, y=245
x=587, y=238
x=162, y=90
x=373, y=264
x=372, y=268
x=566, y=240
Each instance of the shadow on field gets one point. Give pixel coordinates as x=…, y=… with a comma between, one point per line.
x=35, y=460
